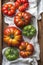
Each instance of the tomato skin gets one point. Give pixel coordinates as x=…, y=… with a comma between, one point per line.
x=12, y=36
x=22, y=19
x=24, y=1
x=19, y=1
x=23, y=45
x=8, y=9
x=17, y=4
x=24, y=54
x=30, y=48
x=4, y=8
x=5, y=5
x=9, y=13
x=5, y=12
x=10, y=5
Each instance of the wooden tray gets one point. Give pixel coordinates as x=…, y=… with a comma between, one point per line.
x=3, y=25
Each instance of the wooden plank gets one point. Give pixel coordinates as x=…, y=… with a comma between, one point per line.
x=41, y=44
x=40, y=26
x=0, y=33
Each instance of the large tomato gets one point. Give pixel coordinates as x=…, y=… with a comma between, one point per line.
x=22, y=19
x=26, y=49
x=8, y=9
x=12, y=36
x=23, y=5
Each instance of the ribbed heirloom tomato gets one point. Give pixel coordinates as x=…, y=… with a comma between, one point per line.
x=26, y=49
x=21, y=5
x=8, y=9
x=22, y=19
x=11, y=53
x=12, y=36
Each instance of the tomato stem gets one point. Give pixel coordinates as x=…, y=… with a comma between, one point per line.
x=8, y=8
x=12, y=36
x=22, y=18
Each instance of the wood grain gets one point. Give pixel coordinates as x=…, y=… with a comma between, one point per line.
x=0, y=34
x=40, y=36
x=40, y=26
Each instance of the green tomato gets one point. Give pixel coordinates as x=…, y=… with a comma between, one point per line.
x=29, y=31
x=11, y=54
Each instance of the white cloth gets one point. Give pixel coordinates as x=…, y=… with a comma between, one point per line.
x=35, y=9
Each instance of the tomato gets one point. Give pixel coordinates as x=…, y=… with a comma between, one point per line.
x=12, y=36
x=11, y=53
x=23, y=7
x=29, y=31
x=26, y=49
x=22, y=19
x=8, y=9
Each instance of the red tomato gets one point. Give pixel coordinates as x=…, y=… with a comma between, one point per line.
x=12, y=36
x=23, y=5
x=22, y=19
x=8, y=9
x=26, y=49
